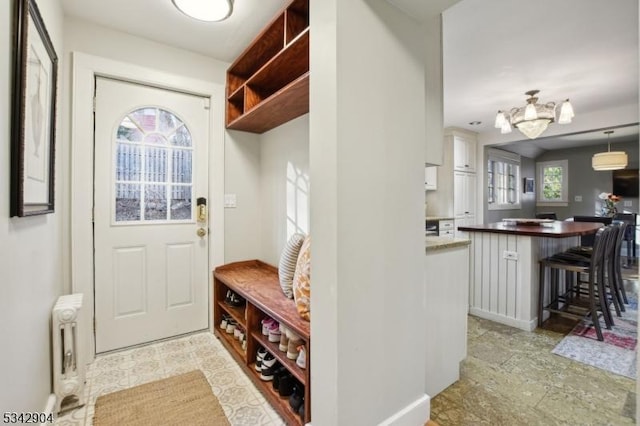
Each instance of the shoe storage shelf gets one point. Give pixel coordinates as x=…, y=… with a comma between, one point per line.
x=258, y=284
x=268, y=84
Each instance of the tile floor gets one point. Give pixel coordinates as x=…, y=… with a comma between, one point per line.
x=510, y=377
x=242, y=402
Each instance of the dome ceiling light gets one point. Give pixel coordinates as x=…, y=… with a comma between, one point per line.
x=610, y=160
x=205, y=10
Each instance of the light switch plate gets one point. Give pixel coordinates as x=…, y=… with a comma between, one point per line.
x=578, y=198
x=627, y=203
x=230, y=201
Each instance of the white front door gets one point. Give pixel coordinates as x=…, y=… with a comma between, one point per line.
x=151, y=279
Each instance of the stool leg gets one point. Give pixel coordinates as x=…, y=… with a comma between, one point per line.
x=594, y=311
x=541, y=294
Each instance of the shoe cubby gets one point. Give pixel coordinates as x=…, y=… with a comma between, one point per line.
x=268, y=84
x=257, y=283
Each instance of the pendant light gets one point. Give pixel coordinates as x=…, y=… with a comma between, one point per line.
x=205, y=10
x=610, y=160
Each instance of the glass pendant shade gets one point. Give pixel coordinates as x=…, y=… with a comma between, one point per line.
x=530, y=112
x=500, y=120
x=506, y=127
x=533, y=128
x=566, y=113
x=205, y=10
x=611, y=160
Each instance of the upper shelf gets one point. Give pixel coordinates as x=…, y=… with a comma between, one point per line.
x=268, y=84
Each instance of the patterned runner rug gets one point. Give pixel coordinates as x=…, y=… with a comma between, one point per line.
x=185, y=399
x=616, y=354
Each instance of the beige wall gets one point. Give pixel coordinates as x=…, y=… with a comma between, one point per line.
x=30, y=251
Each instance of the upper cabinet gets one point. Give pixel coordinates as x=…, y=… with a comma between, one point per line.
x=268, y=84
x=430, y=178
x=464, y=153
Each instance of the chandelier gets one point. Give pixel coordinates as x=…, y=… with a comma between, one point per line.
x=533, y=118
x=610, y=160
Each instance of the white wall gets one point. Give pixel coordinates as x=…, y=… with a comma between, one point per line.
x=242, y=150
x=367, y=155
x=284, y=183
x=30, y=252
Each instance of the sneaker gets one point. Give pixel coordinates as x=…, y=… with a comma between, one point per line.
x=233, y=299
x=285, y=387
x=276, y=377
x=301, y=361
x=231, y=326
x=274, y=332
x=269, y=367
x=236, y=333
x=244, y=345
x=259, y=357
x=297, y=397
x=266, y=324
x=294, y=342
x=284, y=340
x=223, y=323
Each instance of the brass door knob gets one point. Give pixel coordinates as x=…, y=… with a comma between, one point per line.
x=201, y=232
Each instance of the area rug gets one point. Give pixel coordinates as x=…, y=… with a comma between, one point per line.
x=617, y=353
x=186, y=399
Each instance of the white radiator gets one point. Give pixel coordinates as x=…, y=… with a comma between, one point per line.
x=68, y=363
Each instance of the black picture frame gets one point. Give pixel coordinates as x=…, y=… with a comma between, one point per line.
x=33, y=115
x=528, y=185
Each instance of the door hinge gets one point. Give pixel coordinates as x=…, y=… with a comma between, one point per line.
x=94, y=325
x=94, y=104
x=207, y=103
x=93, y=214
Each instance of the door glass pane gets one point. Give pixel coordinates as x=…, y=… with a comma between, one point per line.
x=181, y=170
x=180, y=202
x=155, y=202
x=181, y=137
x=153, y=149
x=127, y=202
x=128, y=162
x=145, y=118
x=155, y=160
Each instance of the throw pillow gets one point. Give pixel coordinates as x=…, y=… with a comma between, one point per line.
x=287, y=265
x=302, y=281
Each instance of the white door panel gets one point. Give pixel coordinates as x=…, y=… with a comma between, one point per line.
x=151, y=279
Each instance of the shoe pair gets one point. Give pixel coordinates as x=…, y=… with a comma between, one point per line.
x=233, y=299
x=294, y=342
x=271, y=328
x=297, y=397
x=224, y=322
x=301, y=361
x=239, y=334
x=262, y=352
x=268, y=367
x=283, y=382
x=229, y=325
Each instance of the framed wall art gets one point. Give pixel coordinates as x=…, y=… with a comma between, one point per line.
x=33, y=121
x=528, y=185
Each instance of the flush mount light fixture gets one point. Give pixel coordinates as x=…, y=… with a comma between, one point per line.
x=533, y=118
x=610, y=160
x=205, y=10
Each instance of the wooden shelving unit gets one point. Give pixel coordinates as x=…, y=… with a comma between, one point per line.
x=268, y=84
x=258, y=283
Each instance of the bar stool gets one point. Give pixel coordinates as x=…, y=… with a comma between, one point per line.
x=566, y=303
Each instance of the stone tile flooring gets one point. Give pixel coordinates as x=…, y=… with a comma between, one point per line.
x=242, y=402
x=510, y=377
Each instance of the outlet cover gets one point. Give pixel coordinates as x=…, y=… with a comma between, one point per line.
x=230, y=201
x=627, y=203
x=510, y=255
x=577, y=198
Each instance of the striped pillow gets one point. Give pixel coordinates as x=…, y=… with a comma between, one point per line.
x=287, y=265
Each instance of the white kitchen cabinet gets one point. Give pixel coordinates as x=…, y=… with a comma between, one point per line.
x=464, y=153
x=464, y=199
x=430, y=178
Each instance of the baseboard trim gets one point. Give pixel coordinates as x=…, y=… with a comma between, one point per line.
x=416, y=413
x=49, y=407
x=502, y=319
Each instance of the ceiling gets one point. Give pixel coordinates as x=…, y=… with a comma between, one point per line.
x=493, y=51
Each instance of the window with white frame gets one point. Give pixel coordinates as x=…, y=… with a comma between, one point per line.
x=503, y=180
x=553, y=183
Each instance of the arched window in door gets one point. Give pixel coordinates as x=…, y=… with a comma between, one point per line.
x=153, y=168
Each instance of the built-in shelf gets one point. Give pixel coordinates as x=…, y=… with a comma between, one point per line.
x=268, y=84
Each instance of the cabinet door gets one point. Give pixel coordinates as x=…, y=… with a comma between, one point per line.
x=471, y=194
x=464, y=154
x=459, y=194
x=431, y=178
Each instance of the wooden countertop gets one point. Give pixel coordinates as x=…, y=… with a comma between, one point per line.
x=558, y=229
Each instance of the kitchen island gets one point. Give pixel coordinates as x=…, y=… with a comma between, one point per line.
x=503, y=267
